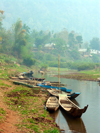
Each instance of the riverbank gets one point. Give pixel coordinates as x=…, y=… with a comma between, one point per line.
x=22, y=109
x=80, y=76
x=90, y=75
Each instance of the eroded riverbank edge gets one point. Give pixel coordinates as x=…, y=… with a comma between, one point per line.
x=79, y=76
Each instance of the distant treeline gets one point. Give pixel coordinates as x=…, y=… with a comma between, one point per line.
x=77, y=66
x=29, y=47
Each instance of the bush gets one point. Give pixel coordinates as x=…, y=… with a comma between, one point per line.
x=29, y=61
x=89, y=66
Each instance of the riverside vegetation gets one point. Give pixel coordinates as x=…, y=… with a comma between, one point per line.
x=24, y=108
x=26, y=104
x=89, y=75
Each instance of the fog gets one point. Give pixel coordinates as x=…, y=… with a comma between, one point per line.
x=80, y=16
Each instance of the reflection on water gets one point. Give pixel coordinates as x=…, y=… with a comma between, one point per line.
x=75, y=125
x=69, y=124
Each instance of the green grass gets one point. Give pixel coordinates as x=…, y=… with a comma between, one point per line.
x=91, y=72
x=56, y=69
x=51, y=131
x=31, y=109
x=22, y=99
x=2, y=114
x=3, y=84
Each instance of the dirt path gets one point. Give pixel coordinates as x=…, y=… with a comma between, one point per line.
x=12, y=118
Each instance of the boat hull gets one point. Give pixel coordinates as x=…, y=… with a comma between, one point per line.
x=70, y=108
x=53, y=87
x=52, y=104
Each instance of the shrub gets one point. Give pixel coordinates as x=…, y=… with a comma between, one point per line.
x=86, y=66
x=29, y=61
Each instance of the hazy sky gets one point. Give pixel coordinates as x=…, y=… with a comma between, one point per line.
x=82, y=16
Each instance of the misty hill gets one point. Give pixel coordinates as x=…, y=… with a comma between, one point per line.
x=54, y=15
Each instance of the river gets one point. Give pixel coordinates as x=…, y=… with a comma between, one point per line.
x=90, y=94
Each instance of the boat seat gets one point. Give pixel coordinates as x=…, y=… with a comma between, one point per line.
x=67, y=106
x=53, y=102
x=52, y=105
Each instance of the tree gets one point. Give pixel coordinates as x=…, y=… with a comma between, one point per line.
x=79, y=40
x=38, y=41
x=86, y=45
x=6, y=42
x=95, y=43
x=41, y=39
x=71, y=40
x=20, y=40
x=60, y=45
x=95, y=58
x=75, y=55
x=64, y=35
x=27, y=28
x=1, y=17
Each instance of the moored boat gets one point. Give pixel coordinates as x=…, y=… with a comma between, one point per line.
x=25, y=84
x=72, y=109
x=54, y=87
x=52, y=104
x=54, y=92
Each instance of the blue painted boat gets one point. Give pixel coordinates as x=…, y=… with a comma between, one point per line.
x=74, y=95
x=49, y=87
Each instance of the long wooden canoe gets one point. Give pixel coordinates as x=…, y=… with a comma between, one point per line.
x=52, y=104
x=71, y=108
x=25, y=84
x=56, y=93
x=54, y=87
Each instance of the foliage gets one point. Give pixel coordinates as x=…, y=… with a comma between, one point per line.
x=86, y=66
x=44, y=66
x=75, y=54
x=27, y=28
x=55, y=18
x=51, y=131
x=2, y=114
x=71, y=40
x=95, y=58
x=29, y=61
x=95, y=43
x=20, y=40
x=27, y=103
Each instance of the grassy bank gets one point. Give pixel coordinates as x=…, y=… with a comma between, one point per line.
x=27, y=103
x=91, y=75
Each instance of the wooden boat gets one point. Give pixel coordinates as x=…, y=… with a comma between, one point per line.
x=73, y=95
x=37, y=79
x=57, y=88
x=54, y=92
x=21, y=83
x=52, y=104
x=71, y=108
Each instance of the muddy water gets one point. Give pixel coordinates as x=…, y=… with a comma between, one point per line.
x=90, y=94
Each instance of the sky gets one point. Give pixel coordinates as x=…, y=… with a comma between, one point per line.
x=81, y=16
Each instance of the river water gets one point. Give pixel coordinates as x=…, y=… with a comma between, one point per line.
x=90, y=94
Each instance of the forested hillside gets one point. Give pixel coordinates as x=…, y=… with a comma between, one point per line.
x=54, y=15
x=34, y=35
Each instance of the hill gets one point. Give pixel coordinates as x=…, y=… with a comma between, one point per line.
x=79, y=16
